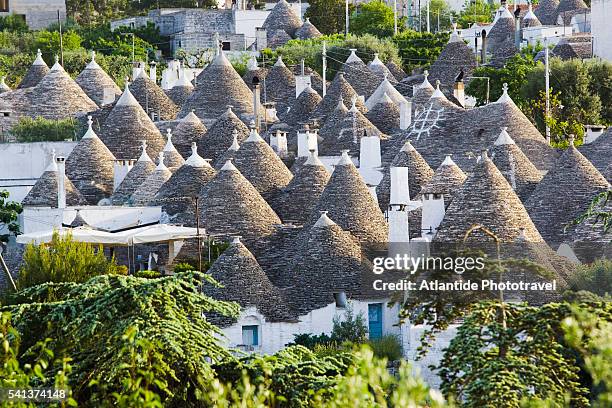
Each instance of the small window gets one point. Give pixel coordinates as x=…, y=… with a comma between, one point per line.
x=226, y=46
x=4, y=6
x=6, y=114
x=250, y=335
x=340, y=299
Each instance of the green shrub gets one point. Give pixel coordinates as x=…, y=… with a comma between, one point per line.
x=184, y=267
x=350, y=328
x=40, y=129
x=63, y=260
x=388, y=347
x=310, y=341
x=13, y=23
x=145, y=273
x=595, y=278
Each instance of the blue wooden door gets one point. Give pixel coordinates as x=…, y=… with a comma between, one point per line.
x=375, y=323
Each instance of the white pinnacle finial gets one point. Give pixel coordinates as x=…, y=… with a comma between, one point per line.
x=324, y=220
x=56, y=66
x=236, y=240
x=195, y=160
x=279, y=62
x=313, y=159
x=144, y=156
x=425, y=83
x=93, y=56
x=56, y=58
x=448, y=161
x=39, y=59
x=235, y=146
x=344, y=159
x=160, y=164
x=169, y=135
x=229, y=166
x=253, y=136
x=504, y=138
x=572, y=138
x=90, y=133
x=52, y=165
x=504, y=97
x=353, y=104
x=437, y=93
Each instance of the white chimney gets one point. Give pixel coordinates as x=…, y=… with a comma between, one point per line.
x=405, y=114
x=261, y=38
x=400, y=191
x=301, y=82
x=153, y=72
x=433, y=213
x=592, y=133
x=459, y=92
x=307, y=141
x=61, y=185
x=278, y=142
x=369, y=153
x=137, y=68
x=120, y=169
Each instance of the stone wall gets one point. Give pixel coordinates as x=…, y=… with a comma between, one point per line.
x=39, y=14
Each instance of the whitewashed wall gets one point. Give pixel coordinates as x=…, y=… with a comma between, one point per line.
x=601, y=15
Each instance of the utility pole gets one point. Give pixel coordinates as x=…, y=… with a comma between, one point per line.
x=324, y=68
x=428, y=24
x=197, y=214
x=59, y=21
x=547, y=80
x=8, y=273
x=395, y=17
x=346, y=16
x=133, y=50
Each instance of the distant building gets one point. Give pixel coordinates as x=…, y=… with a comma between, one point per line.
x=601, y=15
x=38, y=14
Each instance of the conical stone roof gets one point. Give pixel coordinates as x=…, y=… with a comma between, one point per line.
x=446, y=180
x=564, y=194
x=385, y=88
x=397, y=71
x=327, y=261
x=599, y=153
x=298, y=199
x=282, y=17
x=486, y=199
x=35, y=73
x=316, y=81
x=422, y=93
x=349, y=202
x=277, y=38
x=380, y=69
x=502, y=31
x=262, y=167
x=189, y=129
x=172, y=158
x=302, y=107
x=44, y=192
x=181, y=90
x=509, y=159
x=339, y=89
x=177, y=195
x=359, y=76
x=570, y=5
x=126, y=126
x=90, y=166
x=547, y=11
x=455, y=57
x=333, y=124
x=152, y=98
x=57, y=96
x=245, y=283
x=220, y=135
x=530, y=19
x=230, y=153
x=307, y=31
x=95, y=82
x=230, y=206
x=419, y=174
x=145, y=192
x=218, y=86
x=385, y=115
x=143, y=168
x=280, y=86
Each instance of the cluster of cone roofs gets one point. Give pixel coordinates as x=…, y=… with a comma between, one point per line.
x=300, y=226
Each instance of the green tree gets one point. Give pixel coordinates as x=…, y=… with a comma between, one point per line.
x=419, y=49
x=13, y=23
x=350, y=328
x=477, y=11
x=600, y=83
x=40, y=129
x=327, y=15
x=49, y=43
x=595, y=278
x=9, y=213
x=440, y=15
x=63, y=260
x=376, y=18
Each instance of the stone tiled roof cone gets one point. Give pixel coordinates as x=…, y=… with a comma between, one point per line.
x=564, y=194
x=44, y=192
x=152, y=98
x=218, y=86
x=253, y=70
x=262, y=167
x=143, y=168
x=280, y=86
x=327, y=261
x=146, y=191
x=316, y=81
x=339, y=89
x=422, y=92
x=181, y=90
x=349, y=202
x=302, y=107
x=35, y=73
x=298, y=199
x=230, y=205
x=385, y=115
x=96, y=82
x=189, y=129
x=455, y=57
x=230, y=153
x=446, y=180
x=385, y=88
x=419, y=173
x=359, y=76
x=282, y=17
x=510, y=160
x=245, y=283
x=530, y=19
x=380, y=69
x=570, y=5
x=502, y=30
x=397, y=71
x=57, y=96
x=177, y=195
x=599, y=153
x=90, y=166
x=126, y=126
x=220, y=135
x=546, y=11
x=307, y=31
x=172, y=158
x=486, y=199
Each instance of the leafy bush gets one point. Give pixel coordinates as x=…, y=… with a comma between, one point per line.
x=595, y=278
x=350, y=328
x=419, y=49
x=184, y=267
x=40, y=129
x=145, y=273
x=13, y=23
x=63, y=260
x=9, y=213
x=376, y=18
x=389, y=347
x=310, y=340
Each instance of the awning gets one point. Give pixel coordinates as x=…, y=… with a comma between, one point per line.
x=79, y=234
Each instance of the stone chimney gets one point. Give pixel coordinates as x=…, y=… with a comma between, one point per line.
x=61, y=184
x=405, y=114
x=433, y=213
x=459, y=92
x=307, y=141
x=369, y=153
x=278, y=142
x=261, y=38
